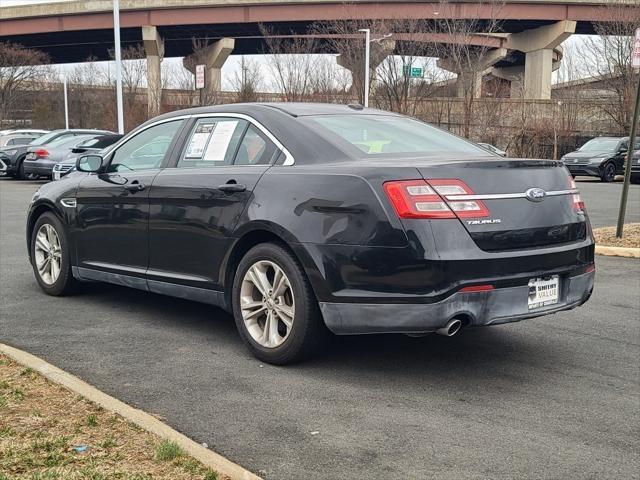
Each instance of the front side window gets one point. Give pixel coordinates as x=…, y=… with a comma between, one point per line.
x=371, y=135
x=147, y=149
x=213, y=142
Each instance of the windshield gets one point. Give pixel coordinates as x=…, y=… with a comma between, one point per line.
x=600, y=145
x=381, y=134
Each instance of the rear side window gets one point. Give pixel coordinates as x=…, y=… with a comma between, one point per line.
x=20, y=141
x=371, y=135
x=213, y=142
x=255, y=148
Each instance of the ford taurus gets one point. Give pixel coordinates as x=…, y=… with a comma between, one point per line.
x=303, y=218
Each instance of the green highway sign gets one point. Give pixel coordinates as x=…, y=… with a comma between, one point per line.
x=412, y=72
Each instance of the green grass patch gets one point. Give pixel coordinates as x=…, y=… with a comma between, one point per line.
x=168, y=450
x=18, y=394
x=3, y=402
x=92, y=420
x=108, y=442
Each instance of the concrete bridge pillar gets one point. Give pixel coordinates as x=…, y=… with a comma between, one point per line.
x=538, y=44
x=213, y=57
x=470, y=79
x=154, y=49
x=379, y=50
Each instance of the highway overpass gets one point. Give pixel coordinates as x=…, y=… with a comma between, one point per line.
x=74, y=31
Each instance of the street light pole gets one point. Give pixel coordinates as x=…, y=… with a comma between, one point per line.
x=66, y=103
x=367, y=40
x=116, y=35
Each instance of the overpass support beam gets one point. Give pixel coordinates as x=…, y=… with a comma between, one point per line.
x=469, y=81
x=538, y=45
x=154, y=49
x=212, y=57
x=355, y=64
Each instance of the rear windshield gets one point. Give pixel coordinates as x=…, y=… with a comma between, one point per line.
x=371, y=135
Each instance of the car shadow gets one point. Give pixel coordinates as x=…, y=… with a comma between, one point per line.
x=477, y=355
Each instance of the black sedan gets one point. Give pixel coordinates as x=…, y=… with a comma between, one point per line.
x=303, y=218
x=601, y=157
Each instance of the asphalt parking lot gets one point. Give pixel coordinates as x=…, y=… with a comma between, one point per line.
x=554, y=397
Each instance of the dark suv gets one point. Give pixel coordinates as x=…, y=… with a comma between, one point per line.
x=600, y=157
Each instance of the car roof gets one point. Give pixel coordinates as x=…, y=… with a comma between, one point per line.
x=293, y=109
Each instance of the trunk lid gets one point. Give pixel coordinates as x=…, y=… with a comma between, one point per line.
x=527, y=201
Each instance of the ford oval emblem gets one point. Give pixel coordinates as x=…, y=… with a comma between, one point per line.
x=535, y=194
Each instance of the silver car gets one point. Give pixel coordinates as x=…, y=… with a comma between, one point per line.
x=41, y=160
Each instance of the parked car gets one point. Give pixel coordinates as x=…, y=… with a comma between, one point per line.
x=28, y=131
x=600, y=157
x=14, y=157
x=493, y=149
x=11, y=139
x=635, y=167
x=41, y=160
x=92, y=145
x=302, y=217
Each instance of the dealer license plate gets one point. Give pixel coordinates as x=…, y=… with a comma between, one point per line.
x=56, y=175
x=543, y=291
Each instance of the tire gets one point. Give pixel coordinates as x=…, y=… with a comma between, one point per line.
x=306, y=332
x=63, y=283
x=608, y=172
x=20, y=175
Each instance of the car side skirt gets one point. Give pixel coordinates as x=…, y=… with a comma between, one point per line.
x=202, y=295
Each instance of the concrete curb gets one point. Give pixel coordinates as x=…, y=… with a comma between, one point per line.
x=142, y=419
x=618, y=251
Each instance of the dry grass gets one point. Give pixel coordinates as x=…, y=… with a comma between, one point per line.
x=606, y=236
x=42, y=424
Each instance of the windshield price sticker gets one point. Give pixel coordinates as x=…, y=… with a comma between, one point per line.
x=218, y=145
x=199, y=140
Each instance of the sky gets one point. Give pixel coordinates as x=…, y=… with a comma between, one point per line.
x=232, y=65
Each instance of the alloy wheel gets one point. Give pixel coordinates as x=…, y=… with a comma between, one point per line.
x=48, y=254
x=609, y=172
x=267, y=304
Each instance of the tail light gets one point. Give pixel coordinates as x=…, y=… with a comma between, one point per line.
x=576, y=199
x=41, y=153
x=426, y=199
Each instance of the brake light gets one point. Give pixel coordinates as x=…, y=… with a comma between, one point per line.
x=430, y=199
x=576, y=199
x=416, y=199
x=463, y=208
x=41, y=153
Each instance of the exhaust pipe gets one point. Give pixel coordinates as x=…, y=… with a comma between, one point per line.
x=451, y=328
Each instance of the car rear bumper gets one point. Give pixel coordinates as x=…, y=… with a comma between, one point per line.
x=39, y=167
x=502, y=305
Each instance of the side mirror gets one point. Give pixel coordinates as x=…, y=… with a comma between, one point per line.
x=89, y=163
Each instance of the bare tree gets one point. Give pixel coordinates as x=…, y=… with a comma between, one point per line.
x=19, y=72
x=289, y=62
x=461, y=49
x=247, y=82
x=609, y=57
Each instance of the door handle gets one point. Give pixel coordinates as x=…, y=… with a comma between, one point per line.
x=135, y=186
x=232, y=188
